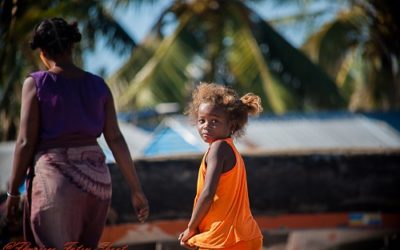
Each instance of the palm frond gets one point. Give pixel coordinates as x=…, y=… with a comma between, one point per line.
x=163, y=77
x=328, y=47
x=249, y=66
x=302, y=78
x=302, y=16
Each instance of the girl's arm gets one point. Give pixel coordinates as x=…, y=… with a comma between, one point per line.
x=216, y=159
x=25, y=144
x=120, y=151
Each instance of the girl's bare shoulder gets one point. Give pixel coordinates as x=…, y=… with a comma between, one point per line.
x=221, y=151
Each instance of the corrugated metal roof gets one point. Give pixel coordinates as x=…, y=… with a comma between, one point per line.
x=336, y=130
x=346, y=132
x=167, y=141
x=174, y=136
x=136, y=138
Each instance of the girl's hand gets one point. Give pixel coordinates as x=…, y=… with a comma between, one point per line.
x=141, y=206
x=185, y=236
x=12, y=206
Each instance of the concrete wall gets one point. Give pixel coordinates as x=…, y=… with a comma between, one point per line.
x=278, y=183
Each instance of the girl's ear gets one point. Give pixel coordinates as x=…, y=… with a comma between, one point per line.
x=232, y=127
x=44, y=59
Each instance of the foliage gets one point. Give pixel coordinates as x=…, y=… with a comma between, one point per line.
x=221, y=41
x=224, y=42
x=360, y=49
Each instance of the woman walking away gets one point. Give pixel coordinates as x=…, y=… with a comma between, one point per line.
x=64, y=109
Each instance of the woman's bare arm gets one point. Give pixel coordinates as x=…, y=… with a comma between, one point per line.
x=119, y=148
x=28, y=135
x=25, y=145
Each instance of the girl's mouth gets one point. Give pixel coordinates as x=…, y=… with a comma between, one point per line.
x=206, y=135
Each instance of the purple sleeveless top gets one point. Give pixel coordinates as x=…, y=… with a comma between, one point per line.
x=72, y=111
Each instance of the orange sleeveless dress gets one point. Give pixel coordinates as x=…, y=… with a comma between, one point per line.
x=229, y=223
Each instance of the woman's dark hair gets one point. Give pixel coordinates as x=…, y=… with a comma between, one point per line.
x=55, y=36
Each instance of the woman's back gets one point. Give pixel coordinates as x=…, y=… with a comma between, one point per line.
x=71, y=108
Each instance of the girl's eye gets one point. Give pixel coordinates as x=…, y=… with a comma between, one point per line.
x=214, y=121
x=201, y=121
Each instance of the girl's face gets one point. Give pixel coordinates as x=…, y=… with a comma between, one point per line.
x=213, y=123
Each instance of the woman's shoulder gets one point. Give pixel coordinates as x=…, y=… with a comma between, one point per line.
x=38, y=74
x=96, y=79
x=97, y=84
x=94, y=76
x=39, y=77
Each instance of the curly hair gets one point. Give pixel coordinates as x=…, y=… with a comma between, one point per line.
x=237, y=108
x=55, y=36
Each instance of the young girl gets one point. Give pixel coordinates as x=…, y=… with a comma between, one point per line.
x=221, y=217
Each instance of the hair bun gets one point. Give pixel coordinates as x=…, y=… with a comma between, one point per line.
x=36, y=40
x=253, y=103
x=55, y=35
x=75, y=34
x=33, y=45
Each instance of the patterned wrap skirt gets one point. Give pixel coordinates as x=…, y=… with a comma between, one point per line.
x=68, y=196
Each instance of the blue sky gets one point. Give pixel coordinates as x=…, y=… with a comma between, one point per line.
x=138, y=22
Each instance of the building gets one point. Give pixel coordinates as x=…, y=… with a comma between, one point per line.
x=292, y=132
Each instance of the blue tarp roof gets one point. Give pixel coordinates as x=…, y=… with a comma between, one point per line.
x=169, y=141
x=327, y=130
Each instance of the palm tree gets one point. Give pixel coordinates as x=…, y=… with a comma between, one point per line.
x=18, y=18
x=360, y=49
x=226, y=42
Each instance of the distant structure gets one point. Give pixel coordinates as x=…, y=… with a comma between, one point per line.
x=302, y=132
x=292, y=132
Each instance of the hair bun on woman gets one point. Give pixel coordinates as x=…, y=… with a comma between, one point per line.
x=37, y=38
x=75, y=34
x=253, y=103
x=34, y=44
x=55, y=35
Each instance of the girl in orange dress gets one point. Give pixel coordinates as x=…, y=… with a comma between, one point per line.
x=221, y=217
